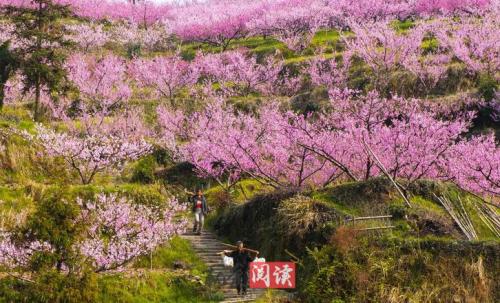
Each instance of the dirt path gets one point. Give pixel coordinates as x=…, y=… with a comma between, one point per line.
x=207, y=246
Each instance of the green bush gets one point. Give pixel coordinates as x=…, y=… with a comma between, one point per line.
x=144, y=170
x=133, y=50
x=53, y=222
x=487, y=86
x=161, y=156
x=380, y=270
x=177, y=252
x=277, y=221
x=50, y=287
x=155, y=287
x=397, y=211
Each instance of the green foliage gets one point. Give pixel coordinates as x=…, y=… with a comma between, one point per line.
x=161, y=156
x=152, y=195
x=404, y=271
x=7, y=66
x=154, y=287
x=50, y=287
x=397, y=211
x=310, y=102
x=241, y=192
x=174, y=274
x=53, y=222
x=277, y=221
x=182, y=174
x=487, y=86
x=40, y=62
x=177, y=252
x=144, y=170
x=356, y=198
x=133, y=50
x=20, y=163
x=403, y=25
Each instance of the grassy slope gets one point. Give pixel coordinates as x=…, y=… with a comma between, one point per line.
x=264, y=223
x=410, y=263
x=24, y=177
x=162, y=283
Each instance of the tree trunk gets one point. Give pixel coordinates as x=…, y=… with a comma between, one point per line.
x=2, y=95
x=37, y=83
x=37, y=100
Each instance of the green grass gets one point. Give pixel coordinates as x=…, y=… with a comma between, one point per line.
x=427, y=204
x=342, y=208
x=13, y=199
x=403, y=26
x=16, y=116
x=153, y=287
x=240, y=193
x=261, y=46
x=177, y=250
x=162, y=283
x=325, y=38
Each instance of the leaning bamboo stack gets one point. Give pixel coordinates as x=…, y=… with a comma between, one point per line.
x=489, y=218
x=460, y=216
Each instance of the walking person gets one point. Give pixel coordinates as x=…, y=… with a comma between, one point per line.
x=200, y=209
x=241, y=264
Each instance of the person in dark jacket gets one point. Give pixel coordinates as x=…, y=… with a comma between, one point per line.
x=241, y=265
x=200, y=209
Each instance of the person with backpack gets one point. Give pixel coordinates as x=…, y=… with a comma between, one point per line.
x=200, y=210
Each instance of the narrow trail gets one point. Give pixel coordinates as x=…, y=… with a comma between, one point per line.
x=207, y=246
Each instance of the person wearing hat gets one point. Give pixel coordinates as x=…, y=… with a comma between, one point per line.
x=241, y=261
x=200, y=209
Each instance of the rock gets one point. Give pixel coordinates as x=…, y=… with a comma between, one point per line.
x=180, y=265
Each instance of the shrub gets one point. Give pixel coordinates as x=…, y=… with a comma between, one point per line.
x=381, y=270
x=49, y=287
x=397, y=211
x=161, y=156
x=58, y=274
x=144, y=170
x=133, y=50
x=487, y=86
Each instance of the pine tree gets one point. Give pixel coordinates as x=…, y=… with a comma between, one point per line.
x=7, y=66
x=41, y=58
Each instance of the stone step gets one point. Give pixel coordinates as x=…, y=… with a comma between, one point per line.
x=250, y=292
x=207, y=248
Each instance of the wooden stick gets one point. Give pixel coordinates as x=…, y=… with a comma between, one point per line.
x=382, y=168
x=244, y=248
x=295, y=259
x=375, y=228
x=486, y=220
x=369, y=218
x=459, y=218
x=467, y=218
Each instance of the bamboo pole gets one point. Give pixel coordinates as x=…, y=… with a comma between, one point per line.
x=370, y=218
x=244, y=248
x=462, y=219
x=467, y=218
x=382, y=168
x=487, y=221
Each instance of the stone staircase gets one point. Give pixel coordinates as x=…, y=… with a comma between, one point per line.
x=207, y=246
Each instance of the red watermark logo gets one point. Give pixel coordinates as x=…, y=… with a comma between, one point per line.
x=272, y=275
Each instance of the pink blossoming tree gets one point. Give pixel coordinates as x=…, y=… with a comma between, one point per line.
x=239, y=73
x=166, y=75
x=119, y=231
x=96, y=148
x=114, y=231
x=103, y=83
